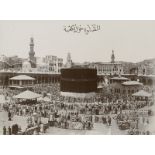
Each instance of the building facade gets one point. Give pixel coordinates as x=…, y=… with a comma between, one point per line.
x=124, y=86
x=54, y=63
x=40, y=78
x=108, y=68
x=10, y=63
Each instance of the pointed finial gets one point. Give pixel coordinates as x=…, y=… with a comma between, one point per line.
x=112, y=57
x=31, y=40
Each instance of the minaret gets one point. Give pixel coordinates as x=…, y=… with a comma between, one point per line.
x=32, y=58
x=31, y=53
x=112, y=57
x=69, y=61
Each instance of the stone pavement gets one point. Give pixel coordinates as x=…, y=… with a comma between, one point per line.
x=99, y=129
x=20, y=120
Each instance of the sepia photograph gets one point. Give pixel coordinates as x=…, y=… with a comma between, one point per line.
x=77, y=77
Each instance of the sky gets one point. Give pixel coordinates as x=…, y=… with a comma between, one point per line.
x=132, y=41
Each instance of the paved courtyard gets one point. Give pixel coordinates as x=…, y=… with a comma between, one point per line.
x=99, y=128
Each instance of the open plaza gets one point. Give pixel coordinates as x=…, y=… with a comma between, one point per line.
x=43, y=110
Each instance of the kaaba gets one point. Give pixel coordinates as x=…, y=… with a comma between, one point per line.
x=78, y=82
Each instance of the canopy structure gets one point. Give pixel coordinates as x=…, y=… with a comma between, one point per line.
x=18, y=87
x=120, y=78
x=27, y=95
x=22, y=80
x=22, y=77
x=142, y=93
x=132, y=83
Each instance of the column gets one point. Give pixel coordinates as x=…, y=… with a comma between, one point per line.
x=20, y=82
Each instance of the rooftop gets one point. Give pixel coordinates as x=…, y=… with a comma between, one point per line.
x=107, y=63
x=22, y=77
x=142, y=93
x=120, y=78
x=27, y=95
x=131, y=83
x=151, y=76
